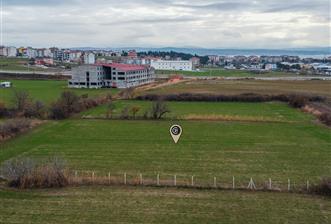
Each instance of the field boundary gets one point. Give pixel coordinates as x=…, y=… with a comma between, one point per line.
x=78, y=178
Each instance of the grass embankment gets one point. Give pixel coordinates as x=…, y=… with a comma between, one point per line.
x=152, y=205
x=236, y=111
x=298, y=151
x=46, y=91
x=224, y=73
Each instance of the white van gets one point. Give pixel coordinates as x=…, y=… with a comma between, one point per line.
x=5, y=84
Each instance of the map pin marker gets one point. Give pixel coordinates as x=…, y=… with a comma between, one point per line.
x=175, y=132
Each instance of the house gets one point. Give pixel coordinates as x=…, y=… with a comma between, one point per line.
x=89, y=58
x=172, y=65
x=114, y=75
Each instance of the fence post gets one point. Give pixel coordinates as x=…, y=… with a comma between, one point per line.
x=158, y=180
x=124, y=178
x=192, y=181
x=215, y=182
x=270, y=184
x=233, y=183
x=93, y=177
x=175, y=180
x=307, y=185
x=288, y=185
x=76, y=174
x=109, y=178
x=141, y=179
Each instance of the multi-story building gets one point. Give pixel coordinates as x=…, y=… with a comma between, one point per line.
x=89, y=58
x=111, y=76
x=172, y=65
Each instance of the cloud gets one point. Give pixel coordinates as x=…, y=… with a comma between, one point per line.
x=204, y=23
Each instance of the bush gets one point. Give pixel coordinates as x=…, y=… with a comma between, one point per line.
x=247, y=97
x=29, y=173
x=35, y=110
x=324, y=188
x=298, y=101
x=68, y=103
x=325, y=118
x=13, y=127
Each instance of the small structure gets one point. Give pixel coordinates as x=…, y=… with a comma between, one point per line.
x=5, y=84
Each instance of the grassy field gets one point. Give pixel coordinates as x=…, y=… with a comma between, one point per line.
x=230, y=87
x=223, y=73
x=16, y=64
x=46, y=91
x=152, y=205
x=272, y=111
x=223, y=149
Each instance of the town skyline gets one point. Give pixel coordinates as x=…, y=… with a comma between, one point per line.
x=154, y=24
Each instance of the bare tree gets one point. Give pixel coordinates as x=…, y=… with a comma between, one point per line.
x=127, y=93
x=125, y=113
x=110, y=109
x=21, y=100
x=159, y=109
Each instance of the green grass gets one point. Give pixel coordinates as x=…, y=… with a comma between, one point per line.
x=261, y=150
x=46, y=90
x=223, y=73
x=152, y=205
x=233, y=87
x=16, y=64
x=268, y=111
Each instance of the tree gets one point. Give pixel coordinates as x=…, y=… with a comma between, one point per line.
x=134, y=111
x=127, y=93
x=110, y=109
x=159, y=109
x=125, y=113
x=21, y=100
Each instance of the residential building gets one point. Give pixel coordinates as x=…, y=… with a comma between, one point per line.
x=89, y=58
x=113, y=75
x=172, y=65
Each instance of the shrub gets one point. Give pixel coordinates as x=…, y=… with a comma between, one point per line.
x=35, y=110
x=298, y=101
x=325, y=118
x=68, y=104
x=13, y=127
x=323, y=188
x=29, y=173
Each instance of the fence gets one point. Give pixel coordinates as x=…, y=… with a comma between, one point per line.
x=185, y=181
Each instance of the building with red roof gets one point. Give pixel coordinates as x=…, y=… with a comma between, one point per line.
x=114, y=75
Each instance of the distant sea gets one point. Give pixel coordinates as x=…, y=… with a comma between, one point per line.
x=320, y=52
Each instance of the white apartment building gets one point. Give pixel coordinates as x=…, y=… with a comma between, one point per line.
x=89, y=58
x=172, y=65
x=111, y=76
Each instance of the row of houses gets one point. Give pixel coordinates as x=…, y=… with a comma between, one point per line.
x=63, y=55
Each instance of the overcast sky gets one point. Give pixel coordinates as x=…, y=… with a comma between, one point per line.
x=165, y=23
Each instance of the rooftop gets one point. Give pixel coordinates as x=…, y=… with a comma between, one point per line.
x=124, y=67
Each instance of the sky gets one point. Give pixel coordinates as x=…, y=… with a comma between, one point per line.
x=255, y=24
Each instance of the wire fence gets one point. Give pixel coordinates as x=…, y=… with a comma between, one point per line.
x=189, y=181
